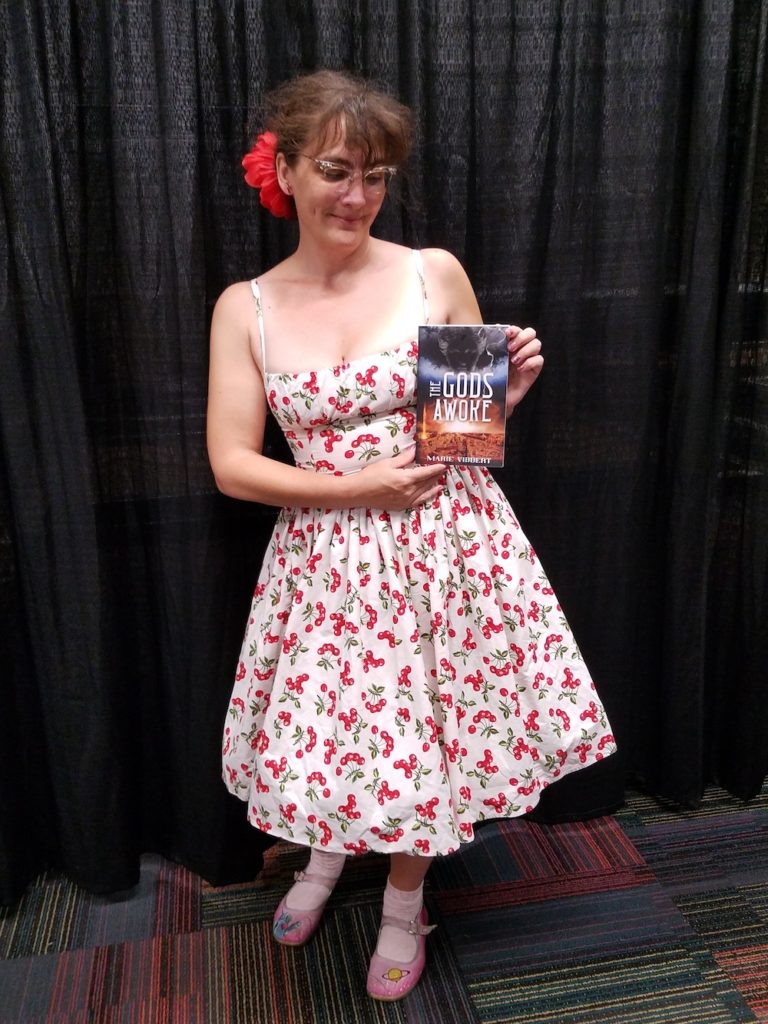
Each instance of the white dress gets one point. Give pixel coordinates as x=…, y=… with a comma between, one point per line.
x=403, y=674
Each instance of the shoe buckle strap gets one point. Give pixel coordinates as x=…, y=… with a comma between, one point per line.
x=312, y=876
x=414, y=927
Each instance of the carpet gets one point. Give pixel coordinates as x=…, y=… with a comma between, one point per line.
x=651, y=916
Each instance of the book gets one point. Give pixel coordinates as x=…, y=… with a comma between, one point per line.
x=461, y=394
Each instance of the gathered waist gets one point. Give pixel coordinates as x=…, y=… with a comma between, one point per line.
x=341, y=451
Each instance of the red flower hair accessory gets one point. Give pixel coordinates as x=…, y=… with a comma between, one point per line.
x=260, y=173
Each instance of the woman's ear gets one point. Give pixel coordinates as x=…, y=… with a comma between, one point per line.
x=283, y=170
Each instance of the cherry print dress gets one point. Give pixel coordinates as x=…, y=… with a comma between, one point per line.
x=403, y=674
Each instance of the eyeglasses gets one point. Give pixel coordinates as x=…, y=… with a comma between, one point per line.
x=375, y=179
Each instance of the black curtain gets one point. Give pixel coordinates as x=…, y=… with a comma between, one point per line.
x=601, y=168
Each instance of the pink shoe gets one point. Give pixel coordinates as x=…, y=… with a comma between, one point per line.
x=295, y=927
x=389, y=980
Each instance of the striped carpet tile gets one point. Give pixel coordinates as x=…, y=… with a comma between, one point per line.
x=747, y=967
x=324, y=983
x=501, y=940
x=177, y=900
x=666, y=986
x=525, y=852
x=157, y=981
x=510, y=894
x=727, y=918
x=707, y=852
x=55, y=915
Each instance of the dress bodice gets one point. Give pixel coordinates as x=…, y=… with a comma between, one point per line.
x=341, y=418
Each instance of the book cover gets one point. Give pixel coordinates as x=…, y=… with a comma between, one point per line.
x=461, y=394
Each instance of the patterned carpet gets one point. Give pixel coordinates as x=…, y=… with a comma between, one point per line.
x=652, y=916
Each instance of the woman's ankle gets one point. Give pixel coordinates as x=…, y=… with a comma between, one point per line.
x=329, y=865
x=403, y=905
x=311, y=889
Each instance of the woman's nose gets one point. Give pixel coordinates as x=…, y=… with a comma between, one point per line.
x=355, y=191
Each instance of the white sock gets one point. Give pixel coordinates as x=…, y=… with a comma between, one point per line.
x=310, y=895
x=394, y=943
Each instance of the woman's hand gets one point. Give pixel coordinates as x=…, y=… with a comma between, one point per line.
x=525, y=363
x=396, y=484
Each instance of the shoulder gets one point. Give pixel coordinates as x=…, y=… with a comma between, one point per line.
x=443, y=265
x=387, y=254
x=235, y=297
x=241, y=293
x=452, y=299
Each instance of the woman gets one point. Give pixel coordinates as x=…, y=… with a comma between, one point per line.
x=406, y=670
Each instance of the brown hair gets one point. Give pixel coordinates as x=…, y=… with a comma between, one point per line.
x=320, y=104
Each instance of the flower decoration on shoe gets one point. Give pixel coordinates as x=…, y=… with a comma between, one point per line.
x=295, y=927
x=260, y=173
x=389, y=980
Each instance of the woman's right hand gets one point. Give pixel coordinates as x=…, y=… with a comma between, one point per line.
x=396, y=484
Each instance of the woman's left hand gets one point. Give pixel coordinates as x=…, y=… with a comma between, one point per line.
x=525, y=363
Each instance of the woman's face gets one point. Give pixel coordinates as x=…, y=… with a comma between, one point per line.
x=337, y=196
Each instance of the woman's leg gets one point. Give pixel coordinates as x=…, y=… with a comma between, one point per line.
x=403, y=898
x=308, y=894
x=398, y=961
x=407, y=872
x=299, y=911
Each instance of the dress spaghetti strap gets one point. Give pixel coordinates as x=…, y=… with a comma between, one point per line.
x=260, y=318
x=417, y=259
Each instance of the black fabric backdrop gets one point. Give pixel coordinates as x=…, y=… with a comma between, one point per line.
x=602, y=170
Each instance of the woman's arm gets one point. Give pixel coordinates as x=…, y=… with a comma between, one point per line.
x=453, y=301
x=237, y=412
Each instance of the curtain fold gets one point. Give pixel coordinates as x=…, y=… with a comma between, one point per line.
x=737, y=641
x=602, y=171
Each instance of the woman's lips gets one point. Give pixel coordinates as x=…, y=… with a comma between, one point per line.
x=351, y=221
